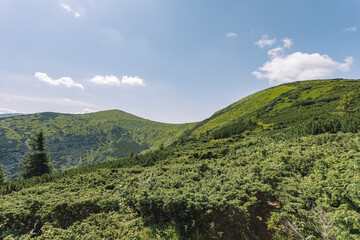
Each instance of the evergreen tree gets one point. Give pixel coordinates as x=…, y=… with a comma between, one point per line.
x=36, y=163
x=2, y=175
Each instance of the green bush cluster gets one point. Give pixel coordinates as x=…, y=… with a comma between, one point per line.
x=261, y=186
x=331, y=124
x=234, y=129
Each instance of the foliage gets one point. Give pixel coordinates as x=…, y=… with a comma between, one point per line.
x=2, y=175
x=288, y=104
x=36, y=163
x=347, y=103
x=234, y=129
x=332, y=124
x=202, y=189
x=293, y=175
x=78, y=140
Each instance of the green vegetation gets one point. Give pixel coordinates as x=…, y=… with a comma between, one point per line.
x=78, y=140
x=2, y=175
x=347, y=103
x=36, y=163
x=287, y=169
x=287, y=104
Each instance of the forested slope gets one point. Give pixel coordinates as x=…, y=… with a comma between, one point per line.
x=76, y=140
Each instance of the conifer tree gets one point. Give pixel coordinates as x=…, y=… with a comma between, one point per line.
x=36, y=163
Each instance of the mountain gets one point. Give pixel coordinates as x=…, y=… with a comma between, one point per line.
x=285, y=104
x=5, y=115
x=282, y=163
x=76, y=140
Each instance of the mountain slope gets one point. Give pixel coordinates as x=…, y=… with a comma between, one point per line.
x=75, y=140
x=292, y=102
x=280, y=180
x=5, y=115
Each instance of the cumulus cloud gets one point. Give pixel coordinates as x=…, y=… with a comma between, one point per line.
x=114, y=81
x=65, y=81
x=283, y=68
x=106, y=80
x=287, y=43
x=351, y=29
x=300, y=66
x=231, y=35
x=133, y=81
x=70, y=10
x=7, y=111
x=86, y=110
x=265, y=41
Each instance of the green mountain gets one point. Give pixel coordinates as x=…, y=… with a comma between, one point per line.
x=76, y=140
x=285, y=104
x=5, y=115
x=280, y=164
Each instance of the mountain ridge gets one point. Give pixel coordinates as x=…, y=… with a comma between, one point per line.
x=284, y=165
x=278, y=98
x=76, y=139
x=124, y=132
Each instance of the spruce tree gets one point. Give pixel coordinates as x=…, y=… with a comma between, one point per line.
x=36, y=163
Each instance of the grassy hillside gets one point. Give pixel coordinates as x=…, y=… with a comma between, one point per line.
x=287, y=169
x=284, y=104
x=75, y=140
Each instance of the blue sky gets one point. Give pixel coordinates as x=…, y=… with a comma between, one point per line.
x=166, y=60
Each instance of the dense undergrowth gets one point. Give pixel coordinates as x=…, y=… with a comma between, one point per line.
x=255, y=186
x=289, y=174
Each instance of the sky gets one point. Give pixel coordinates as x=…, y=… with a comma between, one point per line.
x=170, y=61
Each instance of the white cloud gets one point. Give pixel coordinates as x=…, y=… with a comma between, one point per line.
x=300, y=66
x=278, y=51
x=288, y=42
x=265, y=41
x=133, y=81
x=66, y=81
x=351, y=29
x=86, y=110
x=6, y=111
x=106, y=80
x=114, y=81
x=275, y=52
x=282, y=68
x=70, y=10
x=231, y=35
